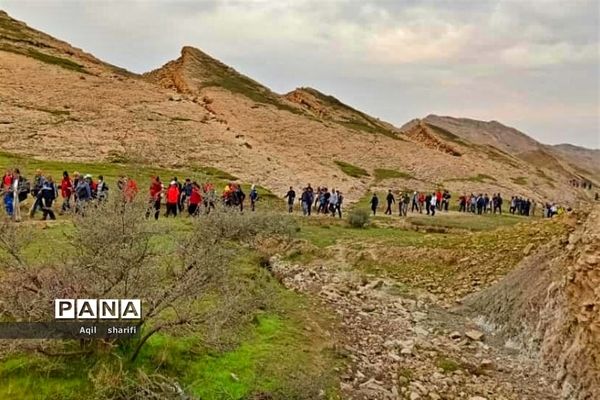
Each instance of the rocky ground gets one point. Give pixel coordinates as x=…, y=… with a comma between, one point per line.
x=400, y=345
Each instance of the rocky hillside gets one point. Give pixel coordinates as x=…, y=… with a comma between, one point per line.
x=549, y=307
x=58, y=102
x=580, y=163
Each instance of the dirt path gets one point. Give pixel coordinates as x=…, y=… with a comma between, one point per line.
x=400, y=345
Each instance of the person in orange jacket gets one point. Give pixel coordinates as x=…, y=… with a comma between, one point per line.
x=172, y=199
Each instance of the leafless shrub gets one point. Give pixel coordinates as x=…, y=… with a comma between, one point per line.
x=116, y=254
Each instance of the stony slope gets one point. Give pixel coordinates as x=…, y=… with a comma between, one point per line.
x=549, y=306
x=59, y=102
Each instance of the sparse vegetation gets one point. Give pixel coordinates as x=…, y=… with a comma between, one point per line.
x=520, y=180
x=382, y=174
x=45, y=58
x=358, y=218
x=351, y=170
x=480, y=178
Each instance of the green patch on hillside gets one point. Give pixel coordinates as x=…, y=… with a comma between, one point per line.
x=519, y=180
x=45, y=58
x=382, y=174
x=480, y=178
x=351, y=170
x=359, y=121
x=447, y=135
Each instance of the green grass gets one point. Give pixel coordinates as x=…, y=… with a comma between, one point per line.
x=45, y=58
x=520, y=180
x=447, y=364
x=359, y=120
x=351, y=170
x=480, y=178
x=466, y=221
x=382, y=174
x=273, y=353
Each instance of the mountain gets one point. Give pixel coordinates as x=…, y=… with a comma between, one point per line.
x=59, y=102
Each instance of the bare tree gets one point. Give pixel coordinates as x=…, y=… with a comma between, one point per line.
x=183, y=276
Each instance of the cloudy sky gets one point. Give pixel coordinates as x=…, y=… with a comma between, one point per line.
x=530, y=64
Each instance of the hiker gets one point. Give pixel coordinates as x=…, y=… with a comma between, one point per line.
x=473, y=203
x=462, y=203
x=374, y=203
x=66, y=191
x=130, y=189
x=186, y=192
x=7, y=192
x=101, y=189
x=253, y=197
x=438, y=199
x=415, y=202
x=306, y=200
x=390, y=200
x=333, y=202
x=404, y=201
x=498, y=204
x=317, y=198
x=340, y=200
x=155, y=193
x=208, y=189
x=428, y=203
x=47, y=195
x=433, y=203
x=172, y=199
x=38, y=182
x=194, y=199
x=291, y=196
x=83, y=193
x=422, y=202
x=480, y=204
x=446, y=196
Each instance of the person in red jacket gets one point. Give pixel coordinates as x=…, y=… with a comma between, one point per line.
x=156, y=189
x=66, y=191
x=130, y=189
x=172, y=199
x=194, y=200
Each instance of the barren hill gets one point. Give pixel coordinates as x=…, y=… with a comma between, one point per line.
x=58, y=102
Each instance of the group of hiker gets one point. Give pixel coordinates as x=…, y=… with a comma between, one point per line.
x=193, y=197
x=78, y=190
x=322, y=200
x=440, y=201
x=418, y=201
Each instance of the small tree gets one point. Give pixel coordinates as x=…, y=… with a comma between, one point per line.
x=358, y=218
x=115, y=252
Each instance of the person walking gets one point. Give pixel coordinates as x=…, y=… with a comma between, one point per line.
x=333, y=199
x=172, y=199
x=374, y=203
x=433, y=203
x=340, y=200
x=195, y=199
x=155, y=194
x=415, y=202
x=38, y=182
x=7, y=192
x=83, y=193
x=253, y=197
x=47, y=195
x=101, y=189
x=66, y=191
x=291, y=196
x=404, y=201
x=390, y=200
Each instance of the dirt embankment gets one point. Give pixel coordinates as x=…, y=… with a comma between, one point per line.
x=550, y=306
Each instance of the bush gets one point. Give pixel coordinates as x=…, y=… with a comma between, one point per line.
x=358, y=218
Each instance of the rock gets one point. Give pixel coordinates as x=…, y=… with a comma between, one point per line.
x=414, y=396
x=407, y=351
x=434, y=396
x=477, y=398
x=528, y=248
x=368, y=308
x=455, y=335
x=474, y=335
